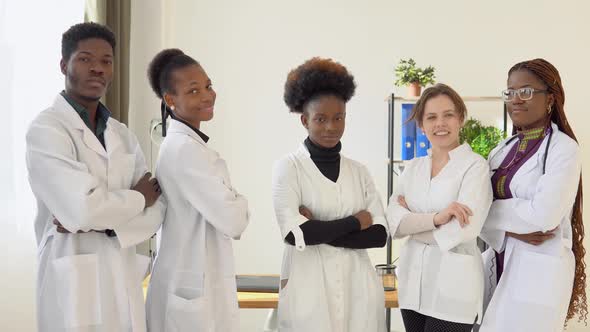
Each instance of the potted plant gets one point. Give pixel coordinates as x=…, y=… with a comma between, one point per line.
x=482, y=139
x=409, y=75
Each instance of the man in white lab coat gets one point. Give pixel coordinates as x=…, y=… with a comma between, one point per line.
x=95, y=199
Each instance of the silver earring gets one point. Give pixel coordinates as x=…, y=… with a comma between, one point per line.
x=549, y=109
x=172, y=107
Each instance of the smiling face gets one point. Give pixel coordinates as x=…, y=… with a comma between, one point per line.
x=324, y=118
x=89, y=70
x=527, y=114
x=193, y=97
x=441, y=122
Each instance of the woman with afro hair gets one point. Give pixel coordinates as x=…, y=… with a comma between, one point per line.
x=193, y=285
x=328, y=211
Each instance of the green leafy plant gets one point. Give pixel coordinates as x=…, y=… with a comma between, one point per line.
x=482, y=139
x=407, y=73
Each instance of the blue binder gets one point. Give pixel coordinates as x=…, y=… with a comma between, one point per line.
x=408, y=133
x=422, y=143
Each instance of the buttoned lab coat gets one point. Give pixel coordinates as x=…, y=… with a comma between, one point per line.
x=329, y=289
x=443, y=279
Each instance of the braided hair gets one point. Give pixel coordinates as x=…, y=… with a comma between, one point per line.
x=549, y=75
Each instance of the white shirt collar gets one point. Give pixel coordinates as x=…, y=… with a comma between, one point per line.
x=458, y=152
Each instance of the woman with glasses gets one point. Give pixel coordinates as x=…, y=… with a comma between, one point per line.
x=440, y=203
x=535, y=267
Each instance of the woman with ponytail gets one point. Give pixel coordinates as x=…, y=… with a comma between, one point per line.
x=193, y=286
x=536, y=278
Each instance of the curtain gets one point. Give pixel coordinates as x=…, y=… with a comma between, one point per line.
x=116, y=14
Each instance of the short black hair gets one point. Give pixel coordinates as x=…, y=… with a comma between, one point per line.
x=83, y=31
x=161, y=68
x=317, y=77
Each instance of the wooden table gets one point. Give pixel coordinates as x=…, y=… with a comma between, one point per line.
x=249, y=300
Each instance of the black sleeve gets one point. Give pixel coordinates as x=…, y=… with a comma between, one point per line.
x=372, y=237
x=318, y=232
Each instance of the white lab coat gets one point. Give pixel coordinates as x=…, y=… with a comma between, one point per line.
x=536, y=285
x=443, y=279
x=329, y=289
x=193, y=285
x=88, y=282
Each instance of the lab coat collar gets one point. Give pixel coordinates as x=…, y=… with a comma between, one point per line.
x=458, y=152
x=69, y=112
x=181, y=128
x=305, y=158
x=303, y=151
x=554, y=127
x=74, y=119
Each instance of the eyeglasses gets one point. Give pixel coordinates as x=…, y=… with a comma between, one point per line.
x=523, y=93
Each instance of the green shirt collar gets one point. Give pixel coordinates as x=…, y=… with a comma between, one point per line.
x=102, y=115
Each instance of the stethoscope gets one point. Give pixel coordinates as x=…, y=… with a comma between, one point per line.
x=515, y=137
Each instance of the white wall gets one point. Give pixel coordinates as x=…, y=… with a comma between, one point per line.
x=30, y=79
x=248, y=47
x=147, y=38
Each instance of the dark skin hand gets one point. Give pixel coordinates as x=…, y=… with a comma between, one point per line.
x=60, y=228
x=305, y=212
x=535, y=238
x=364, y=217
x=149, y=188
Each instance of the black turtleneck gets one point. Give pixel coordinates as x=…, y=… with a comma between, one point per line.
x=343, y=232
x=327, y=160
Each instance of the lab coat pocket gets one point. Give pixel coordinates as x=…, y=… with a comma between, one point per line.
x=188, y=284
x=459, y=279
x=187, y=307
x=284, y=307
x=78, y=290
x=186, y=314
x=409, y=273
x=122, y=171
x=538, y=279
x=303, y=298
